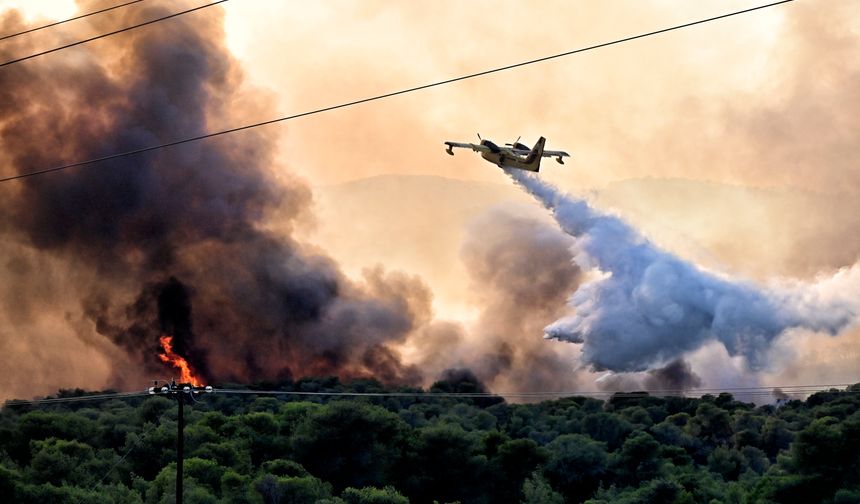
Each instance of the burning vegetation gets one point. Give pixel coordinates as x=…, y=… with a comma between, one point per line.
x=168, y=356
x=137, y=241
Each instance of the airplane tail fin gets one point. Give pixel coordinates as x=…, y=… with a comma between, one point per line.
x=537, y=152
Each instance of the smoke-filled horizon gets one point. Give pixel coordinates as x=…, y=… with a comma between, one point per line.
x=649, y=307
x=209, y=243
x=197, y=242
x=193, y=242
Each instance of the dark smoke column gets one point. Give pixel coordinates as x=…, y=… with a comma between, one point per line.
x=177, y=240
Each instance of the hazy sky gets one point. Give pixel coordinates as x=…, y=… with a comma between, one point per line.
x=332, y=52
x=732, y=144
x=647, y=108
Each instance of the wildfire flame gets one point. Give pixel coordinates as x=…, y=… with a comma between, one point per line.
x=177, y=361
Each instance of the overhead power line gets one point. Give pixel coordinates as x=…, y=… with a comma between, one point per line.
x=751, y=391
x=95, y=397
x=88, y=14
x=382, y=96
x=103, y=35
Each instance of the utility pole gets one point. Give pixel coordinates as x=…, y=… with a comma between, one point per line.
x=180, y=447
x=179, y=391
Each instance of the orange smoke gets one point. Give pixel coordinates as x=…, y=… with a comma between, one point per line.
x=169, y=357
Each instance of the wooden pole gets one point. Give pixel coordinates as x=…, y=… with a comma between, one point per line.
x=180, y=444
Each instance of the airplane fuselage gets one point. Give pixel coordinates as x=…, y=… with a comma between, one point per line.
x=515, y=155
x=510, y=160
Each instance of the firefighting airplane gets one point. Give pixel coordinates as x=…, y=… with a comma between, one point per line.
x=515, y=155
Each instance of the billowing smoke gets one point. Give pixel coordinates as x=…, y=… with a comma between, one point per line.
x=178, y=241
x=520, y=271
x=779, y=395
x=676, y=375
x=649, y=307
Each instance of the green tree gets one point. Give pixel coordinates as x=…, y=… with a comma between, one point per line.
x=711, y=424
x=163, y=487
x=9, y=481
x=58, y=461
x=607, y=427
x=207, y=473
x=727, y=462
x=234, y=488
x=286, y=490
x=776, y=436
x=227, y=454
x=447, y=465
x=536, y=490
x=747, y=428
x=262, y=431
x=351, y=444
x=846, y=496
x=638, y=459
x=576, y=466
x=513, y=462
x=372, y=495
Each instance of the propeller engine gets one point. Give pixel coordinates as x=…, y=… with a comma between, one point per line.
x=515, y=142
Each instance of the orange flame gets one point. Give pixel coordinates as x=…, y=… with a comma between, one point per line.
x=177, y=361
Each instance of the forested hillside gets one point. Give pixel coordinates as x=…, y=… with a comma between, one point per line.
x=243, y=448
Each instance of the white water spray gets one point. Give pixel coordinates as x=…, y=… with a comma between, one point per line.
x=651, y=306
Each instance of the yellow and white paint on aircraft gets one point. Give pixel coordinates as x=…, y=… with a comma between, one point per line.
x=515, y=155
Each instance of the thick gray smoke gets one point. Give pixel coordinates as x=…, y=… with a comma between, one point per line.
x=520, y=271
x=649, y=307
x=178, y=241
x=677, y=375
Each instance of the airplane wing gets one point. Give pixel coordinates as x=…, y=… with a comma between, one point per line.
x=474, y=147
x=555, y=153
x=546, y=153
